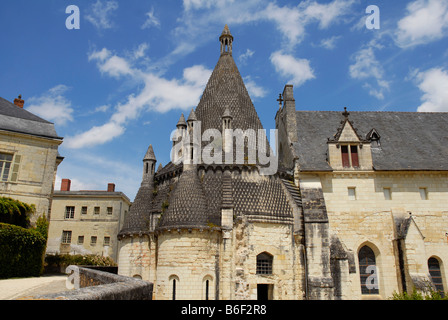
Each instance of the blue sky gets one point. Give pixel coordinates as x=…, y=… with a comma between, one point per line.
x=121, y=81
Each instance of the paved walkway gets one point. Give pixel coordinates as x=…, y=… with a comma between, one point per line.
x=21, y=288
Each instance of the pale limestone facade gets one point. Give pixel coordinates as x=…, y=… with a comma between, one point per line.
x=87, y=222
x=333, y=223
x=32, y=144
x=401, y=215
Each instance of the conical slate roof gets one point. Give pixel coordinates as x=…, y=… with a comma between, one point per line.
x=226, y=88
x=187, y=207
x=181, y=121
x=150, y=154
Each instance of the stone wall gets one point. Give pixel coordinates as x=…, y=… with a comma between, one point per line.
x=370, y=218
x=100, y=285
x=36, y=170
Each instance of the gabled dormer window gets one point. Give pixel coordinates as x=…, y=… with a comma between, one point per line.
x=350, y=157
x=374, y=137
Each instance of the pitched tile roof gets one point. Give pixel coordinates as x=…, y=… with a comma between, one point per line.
x=16, y=119
x=408, y=140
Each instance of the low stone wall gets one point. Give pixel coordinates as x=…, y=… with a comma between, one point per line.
x=100, y=285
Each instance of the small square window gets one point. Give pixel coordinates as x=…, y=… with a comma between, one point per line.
x=107, y=241
x=84, y=210
x=96, y=210
x=109, y=210
x=423, y=193
x=387, y=194
x=69, y=212
x=93, y=240
x=80, y=239
x=351, y=193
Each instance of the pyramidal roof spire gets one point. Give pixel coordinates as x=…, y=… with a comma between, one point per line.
x=150, y=154
x=225, y=89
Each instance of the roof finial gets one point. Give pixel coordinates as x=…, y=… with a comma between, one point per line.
x=280, y=100
x=226, y=40
x=345, y=113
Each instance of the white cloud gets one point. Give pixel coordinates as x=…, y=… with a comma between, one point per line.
x=366, y=66
x=112, y=65
x=200, y=17
x=426, y=21
x=245, y=56
x=255, y=91
x=157, y=93
x=329, y=43
x=151, y=20
x=297, y=70
x=434, y=84
x=96, y=135
x=100, y=13
x=52, y=106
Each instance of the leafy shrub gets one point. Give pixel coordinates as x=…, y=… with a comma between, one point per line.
x=64, y=260
x=15, y=212
x=430, y=294
x=21, y=252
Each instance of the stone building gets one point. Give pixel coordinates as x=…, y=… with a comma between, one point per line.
x=28, y=156
x=86, y=221
x=355, y=209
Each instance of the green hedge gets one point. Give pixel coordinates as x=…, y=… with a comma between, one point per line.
x=57, y=263
x=15, y=212
x=21, y=252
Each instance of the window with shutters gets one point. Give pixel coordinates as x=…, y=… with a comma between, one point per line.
x=9, y=167
x=350, y=158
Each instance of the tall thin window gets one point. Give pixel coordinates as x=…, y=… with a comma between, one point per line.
x=264, y=263
x=436, y=275
x=345, y=159
x=206, y=289
x=368, y=271
x=174, y=289
x=354, y=154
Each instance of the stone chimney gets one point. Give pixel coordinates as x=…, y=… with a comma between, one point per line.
x=111, y=187
x=19, y=102
x=65, y=184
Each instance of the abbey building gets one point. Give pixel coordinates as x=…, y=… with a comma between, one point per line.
x=357, y=207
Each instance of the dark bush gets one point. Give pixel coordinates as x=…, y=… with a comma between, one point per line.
x=15, y=212
x=21, y=252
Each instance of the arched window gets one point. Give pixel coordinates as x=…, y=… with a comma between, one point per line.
x=367, y=271
x=436, y=275
x=207, y=283
x=174, y=281
x=264, y=263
